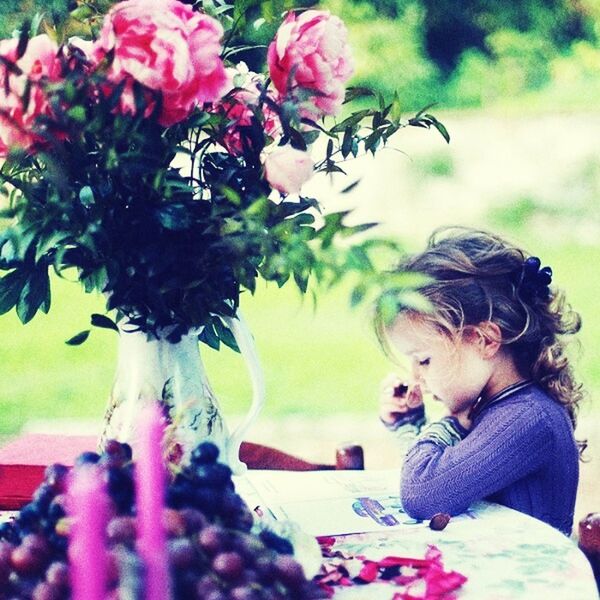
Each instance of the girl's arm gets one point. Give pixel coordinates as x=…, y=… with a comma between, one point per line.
x=447, y=470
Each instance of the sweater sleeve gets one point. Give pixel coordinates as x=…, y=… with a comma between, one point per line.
x=448, y=476
x=406, y=428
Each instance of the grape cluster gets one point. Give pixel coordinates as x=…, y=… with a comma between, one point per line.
x=213, y=555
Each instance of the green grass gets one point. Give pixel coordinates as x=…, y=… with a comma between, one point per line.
x=315, y=362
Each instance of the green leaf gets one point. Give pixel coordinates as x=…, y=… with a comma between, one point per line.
x=358, y=294
x=333, y=223
x=225, y=335
x=406, y=280
x=415, y=300
x=311, y=136
x=11, y=286
x=82, y=13
x=301, y=280
x=329, y=149
x=395, y=109
x=78, y=339
x=26, y=96
x=49, y=242
x=94, y=280
x=35, y=295
x=302, y=219
x=231, y=195
x=440, y=127
x=423, y=111
x=387, y=307
x=175, y=217
x=86, y=196
x=210, y=337
x=23, y=39
x=350, y=187
x=357, y=92
x=353, y=120
x=347, y=141
x=359, y=260
x=77, y=113
x=103, y=322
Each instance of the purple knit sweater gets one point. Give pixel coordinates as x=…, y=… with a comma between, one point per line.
x=520, y=452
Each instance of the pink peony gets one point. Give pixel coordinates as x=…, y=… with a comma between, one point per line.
x=240, y=106
x=39, y=63
x=167, y=47
x=310, y=52
x=287, y=169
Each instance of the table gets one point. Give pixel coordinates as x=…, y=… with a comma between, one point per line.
x=505, y=555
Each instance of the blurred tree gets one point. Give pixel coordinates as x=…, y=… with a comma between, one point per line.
x=450, y=27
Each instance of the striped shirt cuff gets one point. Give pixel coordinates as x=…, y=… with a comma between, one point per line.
x=444, y=433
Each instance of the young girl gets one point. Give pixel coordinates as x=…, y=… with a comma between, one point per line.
x=491, y=349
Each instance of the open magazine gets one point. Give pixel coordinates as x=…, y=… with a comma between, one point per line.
x=328, y=502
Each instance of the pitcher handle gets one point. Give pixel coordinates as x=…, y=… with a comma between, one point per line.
x=248, y=350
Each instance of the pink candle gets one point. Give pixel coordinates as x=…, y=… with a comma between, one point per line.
x=150, y=476
x=88, y=507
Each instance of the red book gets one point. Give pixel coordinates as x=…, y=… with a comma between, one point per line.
x=23, y=461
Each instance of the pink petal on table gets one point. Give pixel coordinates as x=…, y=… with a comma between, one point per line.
x=404, y=561
x=369, y=571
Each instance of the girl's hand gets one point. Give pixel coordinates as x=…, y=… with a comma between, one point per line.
x=399, y=400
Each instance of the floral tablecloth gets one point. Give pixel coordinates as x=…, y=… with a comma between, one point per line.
x=503, y=553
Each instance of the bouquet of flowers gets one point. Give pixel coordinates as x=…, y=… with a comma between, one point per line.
x=166, y=175
x=142, y=158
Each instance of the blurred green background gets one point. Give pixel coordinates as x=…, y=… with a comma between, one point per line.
x=517, y=84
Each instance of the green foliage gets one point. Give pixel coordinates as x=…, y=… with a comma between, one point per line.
x=14, y=12
x=450, y=28
x=540, y=54
x=389, y=54
x=100, y=199
x=513, y=63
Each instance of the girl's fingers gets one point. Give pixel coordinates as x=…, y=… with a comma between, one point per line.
x=415, y=396
x=393, y=405
x=401, y=390
x=388, y=411
x=397, y=398
x=389, y=383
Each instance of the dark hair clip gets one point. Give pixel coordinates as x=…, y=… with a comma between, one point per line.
x=535, y=281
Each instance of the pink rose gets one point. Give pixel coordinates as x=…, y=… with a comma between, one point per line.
x=310, y=52
x=167, y=47
x=287, y=169
x=240, y=106
x=39, y=63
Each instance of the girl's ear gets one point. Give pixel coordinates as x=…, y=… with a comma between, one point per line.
x=488, y=338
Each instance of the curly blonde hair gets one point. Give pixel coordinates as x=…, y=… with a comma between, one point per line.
x=475, y=276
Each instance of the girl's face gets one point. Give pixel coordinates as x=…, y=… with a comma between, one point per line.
x=453, y=371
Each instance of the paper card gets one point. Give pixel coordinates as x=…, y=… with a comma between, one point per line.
x=329, y=502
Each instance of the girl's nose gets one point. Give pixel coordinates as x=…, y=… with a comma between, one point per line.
x=417, y=372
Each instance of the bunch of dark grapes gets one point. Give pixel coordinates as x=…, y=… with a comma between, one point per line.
x=213, y=554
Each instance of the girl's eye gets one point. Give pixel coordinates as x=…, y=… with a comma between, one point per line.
x=424, y=362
